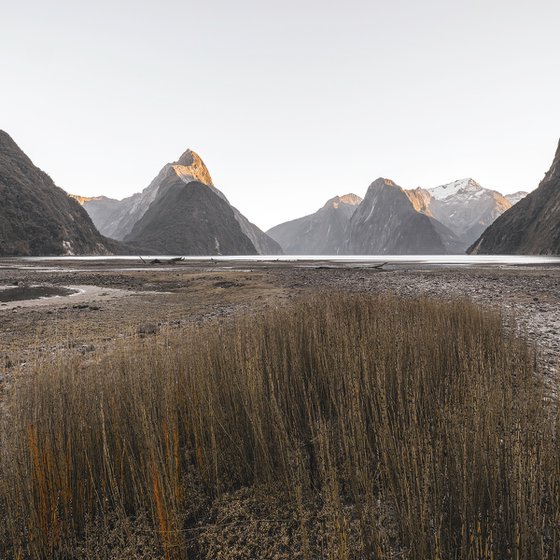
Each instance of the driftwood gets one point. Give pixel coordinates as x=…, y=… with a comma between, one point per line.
x=166, y=261
x=335, y=266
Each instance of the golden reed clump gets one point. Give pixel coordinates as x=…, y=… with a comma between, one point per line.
x=344, y=426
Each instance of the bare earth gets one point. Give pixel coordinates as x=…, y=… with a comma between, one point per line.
x=123, y=299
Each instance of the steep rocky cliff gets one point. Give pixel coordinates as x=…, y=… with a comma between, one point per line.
x=530, y=227
x=39, y=218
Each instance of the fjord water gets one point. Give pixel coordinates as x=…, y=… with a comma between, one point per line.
x=364, y=260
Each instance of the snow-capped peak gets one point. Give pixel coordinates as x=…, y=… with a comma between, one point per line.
x=450, y=189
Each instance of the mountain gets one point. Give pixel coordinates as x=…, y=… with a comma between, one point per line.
x=118, y=218
x=39, y=218
x=463, y=206
x=532, y=226
x=387, y=222
x=321, y=233
x=102, y=210
x=466, y=207
x=189, y=218
x=515, y=197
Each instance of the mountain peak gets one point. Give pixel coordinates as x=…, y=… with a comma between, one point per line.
x=187, y=157
x=190, y=167
x=449, y=189
x=381, y=182
x=349, y=199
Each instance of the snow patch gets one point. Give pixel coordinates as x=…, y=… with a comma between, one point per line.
x=67, y=248
x=444, y=191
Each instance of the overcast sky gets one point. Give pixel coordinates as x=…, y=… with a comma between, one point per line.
x=288, y=102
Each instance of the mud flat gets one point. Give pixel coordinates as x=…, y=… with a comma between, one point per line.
x=118, y=299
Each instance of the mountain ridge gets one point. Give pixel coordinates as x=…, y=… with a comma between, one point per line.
x=39, y=218
x=532, y=225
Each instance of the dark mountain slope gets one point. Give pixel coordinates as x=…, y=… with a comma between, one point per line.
x=101, y=209
x=190, y=219
x=117, y=218
x=39, y=218
x=530, y=227
x=386, y=222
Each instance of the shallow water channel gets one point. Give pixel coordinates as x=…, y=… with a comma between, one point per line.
x=21, y=293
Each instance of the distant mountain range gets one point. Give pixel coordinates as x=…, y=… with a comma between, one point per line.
x=39, y=218
x=392, y=220
x=532, y=226
x=180, y=211
x=321, y=233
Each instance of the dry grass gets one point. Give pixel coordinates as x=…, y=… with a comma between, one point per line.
x=343, y=427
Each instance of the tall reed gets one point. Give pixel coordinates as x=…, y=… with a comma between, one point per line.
x=419, y=429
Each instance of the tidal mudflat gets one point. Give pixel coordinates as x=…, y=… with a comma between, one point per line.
x=114, y=299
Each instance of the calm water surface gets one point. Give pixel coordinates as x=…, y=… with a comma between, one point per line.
x=342, y=259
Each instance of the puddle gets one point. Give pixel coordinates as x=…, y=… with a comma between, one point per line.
x=21, y=293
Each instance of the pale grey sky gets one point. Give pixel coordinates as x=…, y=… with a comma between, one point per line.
x=288, y=102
